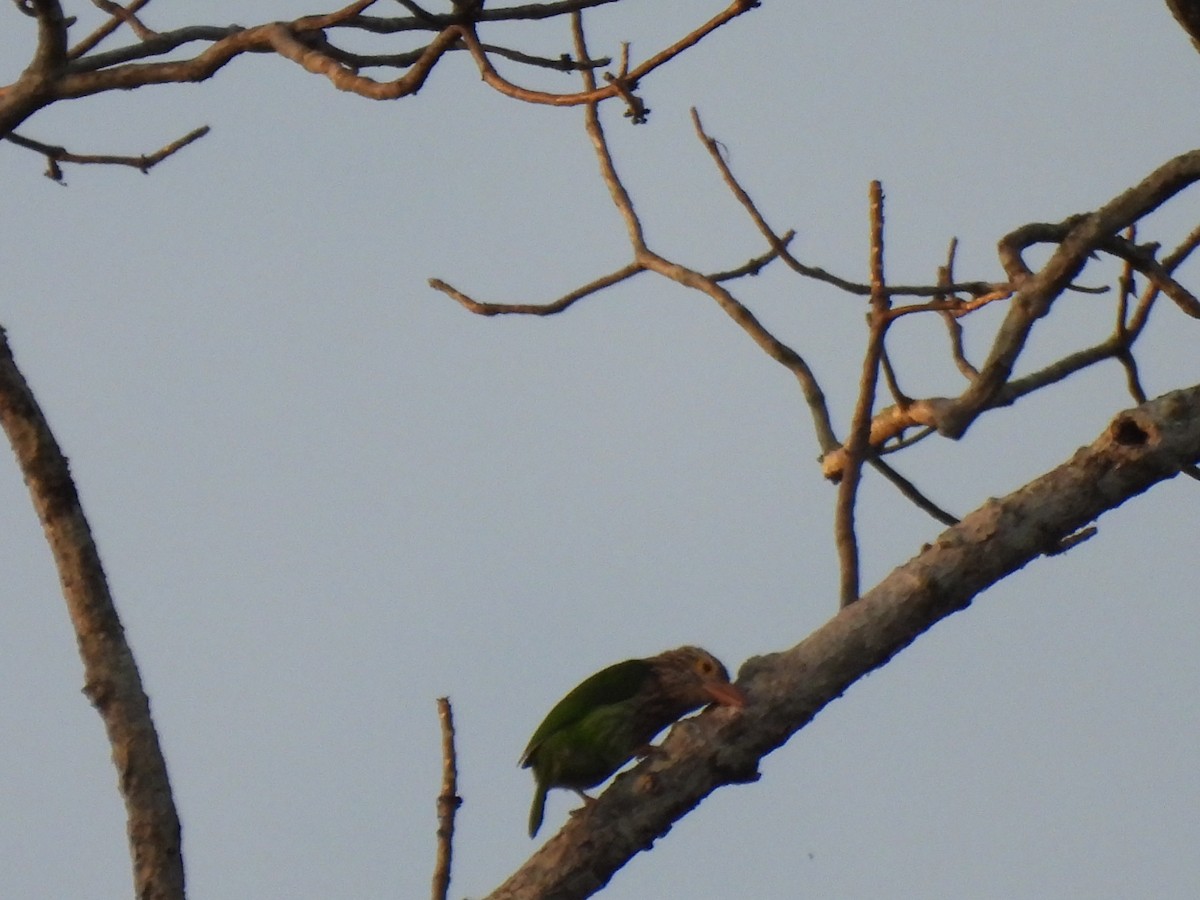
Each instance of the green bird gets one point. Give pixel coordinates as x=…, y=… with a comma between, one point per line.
x=613, y=715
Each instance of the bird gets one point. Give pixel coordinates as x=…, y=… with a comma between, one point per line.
x=614, y=714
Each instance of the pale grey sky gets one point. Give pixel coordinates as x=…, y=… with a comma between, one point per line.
x=325, y=495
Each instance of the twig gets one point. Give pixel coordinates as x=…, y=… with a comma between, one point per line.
x=648, y=259
x=752, y=266
x=56, y=155
x=1037, y=292
x=858, y=443
x=129, y=17
x=1126, y=288
x=912, y=492
x=889, y=374
x=945, y=278
x=116, y=19
x=1170, y=262
x=448, y=802
x=1119, y=345
x=620, y=86
x=536, y=309
x=902, y=443
x=713, y=146
x=952, y=306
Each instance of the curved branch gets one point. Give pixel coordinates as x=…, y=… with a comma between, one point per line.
x=1036, y=293
x=111, y=679
x=1078, y=237
x=977, y=289
x=56, y=155
x=537, y=309
x=59, y=74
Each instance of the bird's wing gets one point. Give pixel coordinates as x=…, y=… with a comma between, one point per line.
x=612, y=685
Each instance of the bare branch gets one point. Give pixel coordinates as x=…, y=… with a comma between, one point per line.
x=1140, y=258
x=111, y=678
x=645, y=259
x=448, y=802
x=534, y=309
x=1170, y=262
x=1037, y=292
x=945, y=278
x=912, y=492
x=129, y=16
x=857, y=446
x=755, y=265
x=144, y=163
x=1140, y=448
x=1078, y=237
x=714, y=148
x=117, y=18
x=58, y=74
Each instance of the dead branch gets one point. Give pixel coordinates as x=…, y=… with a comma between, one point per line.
x=1078, y=237
x=57, y=73
x=55, y=156
x=755, y=265
x=713, y=146
x=448, y=802
x=645, y=259
x=1141, y=447
x=117, y=17
x=537, y=309
x=111, y=679
x=1037, y=293
x=911, y=492
x=858, y=444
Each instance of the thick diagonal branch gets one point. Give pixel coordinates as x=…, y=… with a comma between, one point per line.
x=1140, y=448
x=111, y=679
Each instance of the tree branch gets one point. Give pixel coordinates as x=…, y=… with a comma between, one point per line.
x=117, y=17
x=111, y=679
x=1079, y=237
x=1141, y=447
x=1038, y=292
x=59, y=74
x=448, y=802
x=858, y=444
x=144, y=163
x=51, y=50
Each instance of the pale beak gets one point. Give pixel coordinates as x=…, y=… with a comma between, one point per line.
x=725, y=694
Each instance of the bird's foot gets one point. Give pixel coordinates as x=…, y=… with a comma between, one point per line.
x=588, y=803
x=648, y=751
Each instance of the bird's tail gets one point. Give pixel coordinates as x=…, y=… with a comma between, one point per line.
x=539, y=807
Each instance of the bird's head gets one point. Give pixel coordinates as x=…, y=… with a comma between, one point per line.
x=696, y=677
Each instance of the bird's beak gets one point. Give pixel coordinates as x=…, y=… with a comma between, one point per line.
x=725, y=694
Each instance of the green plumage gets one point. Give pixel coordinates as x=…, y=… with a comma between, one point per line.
x=613, y=715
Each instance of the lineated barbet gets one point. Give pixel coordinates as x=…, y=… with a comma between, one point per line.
x=613, y=715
